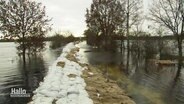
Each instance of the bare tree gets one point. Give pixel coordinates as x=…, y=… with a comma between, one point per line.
x=170, y=14
x=23, y=19
x=133, y=14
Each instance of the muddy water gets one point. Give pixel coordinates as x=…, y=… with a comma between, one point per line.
x=146, y=82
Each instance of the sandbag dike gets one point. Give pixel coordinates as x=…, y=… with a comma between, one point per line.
x=65, y=83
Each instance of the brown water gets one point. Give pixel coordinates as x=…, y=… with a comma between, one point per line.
x=146, y=82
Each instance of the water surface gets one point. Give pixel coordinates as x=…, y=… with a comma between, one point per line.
x=13, y=75
x=146, y=83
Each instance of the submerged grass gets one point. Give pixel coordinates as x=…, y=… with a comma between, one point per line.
x=102, y=90
x=114, y=72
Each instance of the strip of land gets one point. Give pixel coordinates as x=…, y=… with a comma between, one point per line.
x=71, y=81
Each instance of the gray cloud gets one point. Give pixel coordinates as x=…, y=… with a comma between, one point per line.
x=67, y=14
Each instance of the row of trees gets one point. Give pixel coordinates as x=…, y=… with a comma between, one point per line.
x=106, y=18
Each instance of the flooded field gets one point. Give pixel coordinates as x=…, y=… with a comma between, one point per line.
x=14, y=76
x=146, y=82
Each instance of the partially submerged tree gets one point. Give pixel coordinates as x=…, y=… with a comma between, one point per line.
x=24, y=20
x=91, y=37
x=170, y=14
x=106, y=17
x=133, y=14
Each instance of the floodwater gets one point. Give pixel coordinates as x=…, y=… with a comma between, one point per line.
x=12, y=74
x=146, y=81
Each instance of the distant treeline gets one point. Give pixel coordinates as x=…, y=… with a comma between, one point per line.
x=169, y=37
x=116, y=37
x=52, y=38
x=58, y=40
x=7, y=40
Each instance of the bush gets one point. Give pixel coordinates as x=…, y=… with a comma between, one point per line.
x=58, y=40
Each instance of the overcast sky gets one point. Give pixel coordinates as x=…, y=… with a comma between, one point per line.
x=68, y=15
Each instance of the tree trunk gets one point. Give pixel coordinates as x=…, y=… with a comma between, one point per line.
x=23, y=50
x=160, y=44
x=180, y=61
x=128, y=47
x=128, y=56
x=121, y=47
x=180, y=53
x=180, y=49
x=24, y=53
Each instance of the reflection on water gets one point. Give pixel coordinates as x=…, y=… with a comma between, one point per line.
x=147, y=82
x=14, y=76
